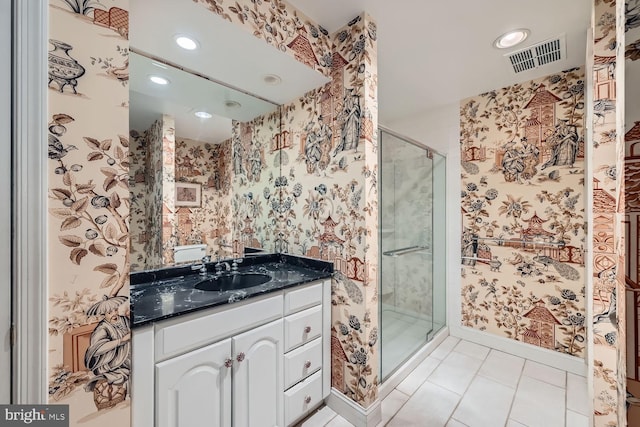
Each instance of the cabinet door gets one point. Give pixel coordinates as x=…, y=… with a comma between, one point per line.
x=195, y=387
x=258, y=377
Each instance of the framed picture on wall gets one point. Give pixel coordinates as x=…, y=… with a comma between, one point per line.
x=188, y=194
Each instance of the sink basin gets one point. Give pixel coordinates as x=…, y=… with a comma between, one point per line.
x=232, y=282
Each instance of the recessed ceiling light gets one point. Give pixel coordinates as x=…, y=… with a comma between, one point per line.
x=272, y=79
x=232, y=104
x=186, y=42
x=511, y=38
x=203, y=115
x=159, y=80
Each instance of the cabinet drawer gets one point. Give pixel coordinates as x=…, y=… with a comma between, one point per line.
x=302, y=362
x=300, y=298
x=302, y=327
x=183, y=334
x=302, y=398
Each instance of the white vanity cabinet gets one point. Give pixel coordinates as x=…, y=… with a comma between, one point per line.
x=257, y=377
x=262, y=362
x=195, y=386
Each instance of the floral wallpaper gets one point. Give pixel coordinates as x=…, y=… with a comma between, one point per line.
x=280, y=25
x=145, y=186
x=328, y=199
x=523, y=212
x=88, y=211
x=255, y=168
x=608, y=239
x=323, y=203
x=209, y=166
x=632, y=133
x=158, y=161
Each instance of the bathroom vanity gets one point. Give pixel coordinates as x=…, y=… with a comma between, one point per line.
x=241, y=354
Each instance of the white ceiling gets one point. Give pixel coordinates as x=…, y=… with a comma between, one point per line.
x=435, y=53
x=430, y=54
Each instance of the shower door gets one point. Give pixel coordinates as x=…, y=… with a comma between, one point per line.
x=406, y=243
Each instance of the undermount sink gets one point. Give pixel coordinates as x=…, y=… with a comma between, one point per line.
x=232, y=282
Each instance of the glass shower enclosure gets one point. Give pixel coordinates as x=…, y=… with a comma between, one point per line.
x=412, y=247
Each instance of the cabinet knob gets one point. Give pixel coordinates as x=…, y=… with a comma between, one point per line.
x=240, y=357
x=307, y=400
x=307, y=329
x=228, y=362
x=307, y=364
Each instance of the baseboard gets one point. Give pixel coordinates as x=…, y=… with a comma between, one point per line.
x=398, y=376
x=557, y=360
x=352, y=412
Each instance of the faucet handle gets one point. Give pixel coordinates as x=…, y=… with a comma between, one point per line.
x=234, y=264
x=206, y=258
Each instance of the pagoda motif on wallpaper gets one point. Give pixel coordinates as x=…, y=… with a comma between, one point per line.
x=303, y=51
x=542, y=326
x=522, y=212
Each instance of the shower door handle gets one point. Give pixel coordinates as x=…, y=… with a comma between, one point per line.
x=404, y=251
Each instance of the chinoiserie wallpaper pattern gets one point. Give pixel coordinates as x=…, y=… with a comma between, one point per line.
x=145, y=187
x=255, y=170
x=328, y=199
x=209, y=166
x=280, y=25
x=608, y=210
x=323, y=204
x=632, y=135
x=89, y=205
x=167, y=158
x=523, y=213
x=632, y=171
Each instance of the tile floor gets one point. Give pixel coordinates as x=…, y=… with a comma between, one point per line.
x=465, y=384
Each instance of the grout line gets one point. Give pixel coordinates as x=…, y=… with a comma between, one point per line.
x=516, y=392
x=439, y=362
x=466, y=389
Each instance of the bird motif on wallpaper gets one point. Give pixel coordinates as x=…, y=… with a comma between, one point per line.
x=564, y=270
x=56, y=150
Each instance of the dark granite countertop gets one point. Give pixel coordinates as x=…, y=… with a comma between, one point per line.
x=170, y=292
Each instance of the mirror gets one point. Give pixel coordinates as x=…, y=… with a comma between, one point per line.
x=201, y=180
x=182, y=173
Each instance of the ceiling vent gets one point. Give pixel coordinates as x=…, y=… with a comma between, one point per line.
x=539, y=54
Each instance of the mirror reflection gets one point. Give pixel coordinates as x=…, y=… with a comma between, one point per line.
x=183, y=167
x=206, y=137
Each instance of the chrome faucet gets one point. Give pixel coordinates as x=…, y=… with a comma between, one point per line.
x=221, y=264
x=202, y=265
x=234, y=265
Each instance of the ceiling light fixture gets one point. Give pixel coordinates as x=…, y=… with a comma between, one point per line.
x=511, y=38
x=232, y=104
x=159, y=80
x=202, y=115
x=186, y=42
x=272, y=79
